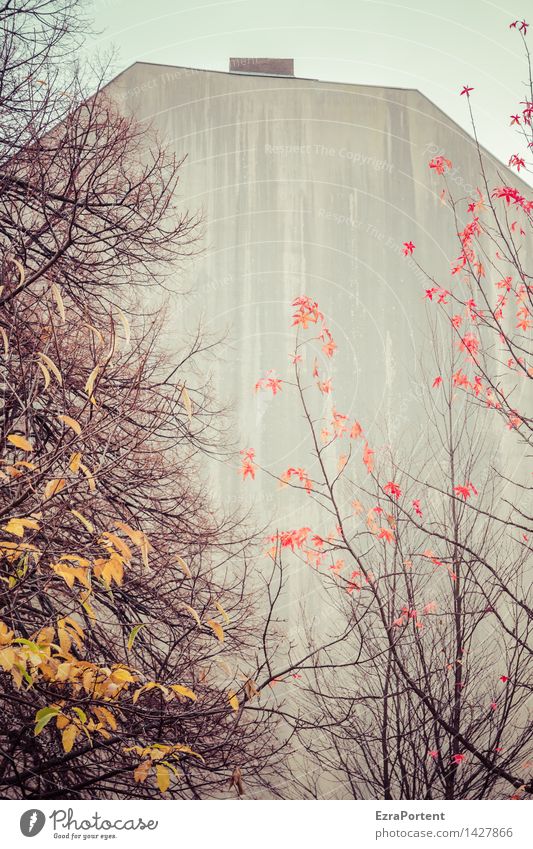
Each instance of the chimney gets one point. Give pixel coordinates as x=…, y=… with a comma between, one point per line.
x=269, y=67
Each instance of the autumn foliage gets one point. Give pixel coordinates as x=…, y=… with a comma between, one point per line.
x=127, y=628
x=425, y=566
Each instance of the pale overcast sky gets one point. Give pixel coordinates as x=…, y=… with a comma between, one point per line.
x=433, y=46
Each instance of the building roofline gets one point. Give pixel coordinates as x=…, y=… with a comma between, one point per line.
x=455, y=123
x=255, y=75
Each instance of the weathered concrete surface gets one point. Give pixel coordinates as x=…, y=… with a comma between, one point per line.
x=312, y=187
x=308, y=187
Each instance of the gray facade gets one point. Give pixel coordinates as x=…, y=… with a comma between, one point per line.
x=308, y=187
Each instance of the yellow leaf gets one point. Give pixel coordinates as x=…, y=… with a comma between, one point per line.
x=106, y=717
x=72, y=423
x=68, y=738
x=138, y=538
x=20, y=442
x=181, y=690
x=222, y=611
x=217, y=629
x=86, y=606
x=68, y=620
x=91, y=380
x=75, y=558
x=183, y=566
x=53, y=487
x=64, y=669
x=193, y=613
x=163, y=777
x=96, y=332
x=233, y=700
x=126, y=326
x=89, y=475
x=188, y=751
x=65, y=643
x=20, y=269
x=3, y=334
x=46, y=375
x=75, y=462
x=56, y=292
x=66, y=572
x=85, y=522
x=118, y=543
x=18, y=526
x=8, y=658
x=51, y=366
x=186, y=401
x=89, y=680
x=122, y=675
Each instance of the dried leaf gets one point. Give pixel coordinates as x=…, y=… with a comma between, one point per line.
x=193, y=613
x=85, y=522
x=236, y=781
x=181, y=690
x=126, y=326
x=72, y=423
x=20, y=269
x=141, y=771
x=233, y=700
x=217, y=629
x=68, y=737
x=53, y=487
x=186, y=401
x=91, y=380
x=20, y=442
x=51, y=366
x=75, y=462
x=56, y=292
x=46, y=375
x=3, y=334
x=223, y=612
x=163, y=777
x=183, y=566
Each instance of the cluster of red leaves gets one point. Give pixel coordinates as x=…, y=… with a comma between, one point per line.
x=393, y=490
x=299, y=473
x=408, y=614
x=469, y=343
x=340, y=426
x=520, y=25
x=416, y=507
x=511, y=195
x=294, y=539
x=308, y=312
x=441, y=294
x=309, y=547
x=440, y=164
x=248, y=466
x=517, y=162
x=269, y=381
x=466, y=490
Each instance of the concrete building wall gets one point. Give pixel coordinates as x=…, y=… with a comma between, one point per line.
x=308, y=187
